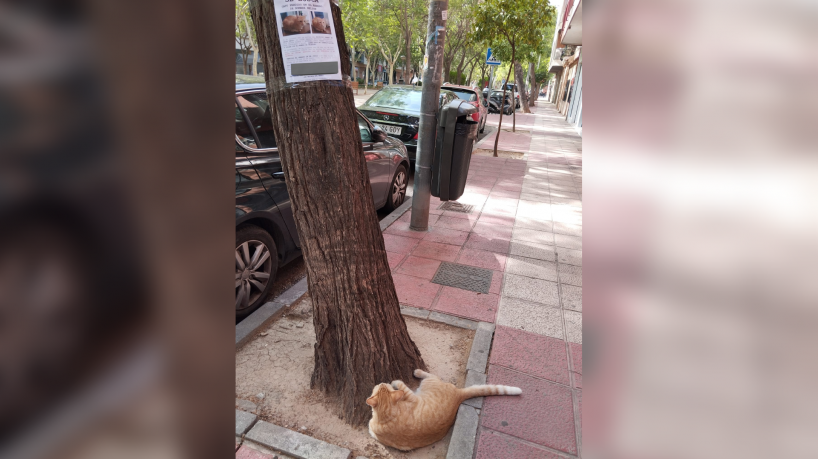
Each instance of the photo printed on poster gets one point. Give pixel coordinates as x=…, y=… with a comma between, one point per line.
x=308, y=45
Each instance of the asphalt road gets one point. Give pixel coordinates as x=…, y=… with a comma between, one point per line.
x=294, y=271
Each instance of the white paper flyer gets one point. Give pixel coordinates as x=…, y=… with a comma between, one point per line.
x=309, y=47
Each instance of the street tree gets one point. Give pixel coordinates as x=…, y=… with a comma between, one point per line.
x=246, y=34
x=408, y=14
x=359, y=23
x=361, y=337
x=389, y=39
x=516, y=23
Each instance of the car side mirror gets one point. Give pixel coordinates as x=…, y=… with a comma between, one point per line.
x=378, y=135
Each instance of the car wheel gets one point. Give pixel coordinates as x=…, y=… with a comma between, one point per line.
x=256, y=266
x=397, y=190
x=483, y=127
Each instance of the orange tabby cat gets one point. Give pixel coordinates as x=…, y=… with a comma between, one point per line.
x=407, y=420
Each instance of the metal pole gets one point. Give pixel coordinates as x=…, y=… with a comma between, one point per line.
x=429, y=104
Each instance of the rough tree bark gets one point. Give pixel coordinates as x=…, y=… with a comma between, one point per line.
x=535, y=88
x=520, y=80
x=361, y=337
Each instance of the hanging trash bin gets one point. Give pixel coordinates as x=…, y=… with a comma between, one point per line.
x=456, y=134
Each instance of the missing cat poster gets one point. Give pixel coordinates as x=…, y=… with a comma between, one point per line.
x=308, y=44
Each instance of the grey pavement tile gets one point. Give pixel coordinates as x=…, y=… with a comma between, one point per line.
x=526, y=288
x=531, y=317
x=531, y=267
x=244, y=421
x=571, y=275
x=567, y=228
x=570, y=202
x=571, y=297
x=569, y=242
x=544, y=198
x=535, y=223
x=530, y=235
x=573, y=326
x=569, y=256
x=533, y=250
x=533, y=208
x=464, y=433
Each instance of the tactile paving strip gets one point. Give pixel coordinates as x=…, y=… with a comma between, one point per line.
x=463, y=277
x=455, y=206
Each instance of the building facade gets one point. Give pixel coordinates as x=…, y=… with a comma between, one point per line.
x=566, y=63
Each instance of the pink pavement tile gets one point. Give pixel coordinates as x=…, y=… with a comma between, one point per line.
x=399, y=244
x=437, y=251
x=489, y=230
x=542, y=414
x=482, y=259
x=400, y=228
x=407, y=217
x=425, y=268
x=446, y=236
x=576, y=357
x=502, y=202
x=456, y=223
x=530, y=353
x=499, y=211
x=488, y=243
x=496, y=282
x=501, y=193
x=510, y=186
x=468, y=304
x=499, y=220
x=249, y=453
x=414, y=291
x=394, y=259
x=494, y=446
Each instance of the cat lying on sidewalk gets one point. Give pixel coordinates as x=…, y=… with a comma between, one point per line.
x=407, y=420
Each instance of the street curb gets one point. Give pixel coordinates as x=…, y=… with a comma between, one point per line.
x=396, y=214
x=261, y=317
x=464, y=433
x=293, y=443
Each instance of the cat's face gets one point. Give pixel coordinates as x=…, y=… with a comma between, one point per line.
x=384, y=394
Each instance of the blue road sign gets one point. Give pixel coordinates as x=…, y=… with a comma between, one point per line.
x=490, y=59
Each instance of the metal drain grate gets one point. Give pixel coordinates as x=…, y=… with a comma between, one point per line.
x=463, y=277
x=455, y=206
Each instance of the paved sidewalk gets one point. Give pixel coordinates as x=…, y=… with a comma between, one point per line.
x=526, y=226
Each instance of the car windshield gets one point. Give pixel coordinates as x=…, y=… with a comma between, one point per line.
x=463, y=94
x=400, y=98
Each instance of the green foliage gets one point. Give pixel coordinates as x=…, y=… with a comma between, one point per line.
x=516, y=29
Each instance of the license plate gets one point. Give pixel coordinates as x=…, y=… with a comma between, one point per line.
x=389, y=129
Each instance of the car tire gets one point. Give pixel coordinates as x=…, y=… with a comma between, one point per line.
x=483, y=127
x=255, y=271
x=397, y=189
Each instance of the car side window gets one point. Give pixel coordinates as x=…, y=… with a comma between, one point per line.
x=261, y=118
x=243, y=131
x=363, y=127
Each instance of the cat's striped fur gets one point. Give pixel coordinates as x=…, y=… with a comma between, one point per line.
x=407, y=420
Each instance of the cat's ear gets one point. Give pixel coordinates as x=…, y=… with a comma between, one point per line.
x=397, y=395
x=372, y=401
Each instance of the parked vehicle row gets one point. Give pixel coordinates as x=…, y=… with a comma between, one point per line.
x=266, y=236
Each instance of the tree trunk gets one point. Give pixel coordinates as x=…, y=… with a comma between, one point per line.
x=535, y=93
x=460, y=67
x=519, y=78
x=361, y=337
x=407, y=61
x=500, y=123
x=366, y=73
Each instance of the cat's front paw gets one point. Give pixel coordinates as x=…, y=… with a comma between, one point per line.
x=396, y=384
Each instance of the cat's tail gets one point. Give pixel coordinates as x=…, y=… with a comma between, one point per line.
x=489, y=389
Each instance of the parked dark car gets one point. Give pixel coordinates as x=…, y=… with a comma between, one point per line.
x=495, y=104
x=513, y=88
x=266, y=237
x=396, y=110
x=475, y=97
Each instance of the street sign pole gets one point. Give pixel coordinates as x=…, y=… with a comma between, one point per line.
x=429, y=103
x=491, y=78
